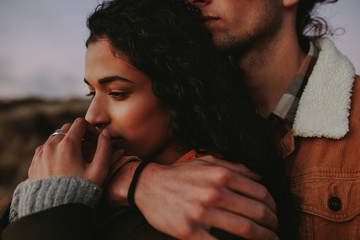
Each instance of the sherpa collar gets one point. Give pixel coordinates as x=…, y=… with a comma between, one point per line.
x=325, y=103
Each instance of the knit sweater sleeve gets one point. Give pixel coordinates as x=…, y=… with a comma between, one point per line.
x=34, y=196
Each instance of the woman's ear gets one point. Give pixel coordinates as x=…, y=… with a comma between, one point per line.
x=289, y=3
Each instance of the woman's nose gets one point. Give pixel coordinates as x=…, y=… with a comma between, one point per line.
x=97, y=115
x=199, y=3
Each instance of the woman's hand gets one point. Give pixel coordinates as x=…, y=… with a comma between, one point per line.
x=63, y=155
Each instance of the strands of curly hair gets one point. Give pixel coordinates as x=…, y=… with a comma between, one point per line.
x=210, y=104
x=200, y=86
x=308, y=25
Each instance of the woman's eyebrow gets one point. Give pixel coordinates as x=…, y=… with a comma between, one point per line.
x=105, y=80
x=113, y=78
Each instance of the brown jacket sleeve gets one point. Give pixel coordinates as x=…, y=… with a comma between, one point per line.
x=71, y=221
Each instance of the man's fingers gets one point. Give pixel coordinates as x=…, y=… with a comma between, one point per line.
x=243, y=185
x=238, y=225
x=244, y=206
x=237, y=167
x=202, y=234
x=252, y=189
x=195, y=232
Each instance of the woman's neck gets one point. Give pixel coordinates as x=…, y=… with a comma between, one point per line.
x=170, y=153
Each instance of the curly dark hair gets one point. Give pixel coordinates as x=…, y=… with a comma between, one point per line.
x=210, y=104
x=308, y=25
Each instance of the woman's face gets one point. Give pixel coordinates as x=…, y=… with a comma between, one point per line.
x=124, y=103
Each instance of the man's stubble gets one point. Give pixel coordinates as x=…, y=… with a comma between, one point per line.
x=257, y=38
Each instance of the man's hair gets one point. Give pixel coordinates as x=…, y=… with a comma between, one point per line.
x=308, y=25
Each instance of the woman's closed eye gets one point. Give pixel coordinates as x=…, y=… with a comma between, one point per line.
x=91, y=94
x=119, y=95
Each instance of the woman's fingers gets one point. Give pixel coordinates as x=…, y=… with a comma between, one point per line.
x=91, y=133
x=76, y=132
x=99, y=167
x=62, y=154
x=57, y=138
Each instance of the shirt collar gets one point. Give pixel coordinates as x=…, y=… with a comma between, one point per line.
x=288, y=104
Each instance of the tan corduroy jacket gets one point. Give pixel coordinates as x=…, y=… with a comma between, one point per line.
x=323, y=149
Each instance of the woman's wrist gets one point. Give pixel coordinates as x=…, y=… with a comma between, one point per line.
x=34, y=196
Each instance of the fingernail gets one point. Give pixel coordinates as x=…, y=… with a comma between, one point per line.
x=106, y=133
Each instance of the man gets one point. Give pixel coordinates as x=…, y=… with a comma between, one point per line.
x=310, y=100
x=307, y=90
x=265, y=38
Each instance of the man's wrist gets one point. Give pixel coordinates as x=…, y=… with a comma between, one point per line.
x=148, y=183
x=126, y=173
x=134, y=181
x=117, y=190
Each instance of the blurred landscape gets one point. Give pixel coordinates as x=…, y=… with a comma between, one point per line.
x=24, y=125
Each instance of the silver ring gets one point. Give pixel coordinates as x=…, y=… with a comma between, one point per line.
x=58, y=132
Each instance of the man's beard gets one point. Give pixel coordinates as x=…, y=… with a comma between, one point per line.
x=255, y=39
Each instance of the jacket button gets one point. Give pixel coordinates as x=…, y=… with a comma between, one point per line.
x=334, y=204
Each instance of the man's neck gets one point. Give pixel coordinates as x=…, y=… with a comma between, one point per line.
x=269, y=71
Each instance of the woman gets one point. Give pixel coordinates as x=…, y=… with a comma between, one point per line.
x=163, y=93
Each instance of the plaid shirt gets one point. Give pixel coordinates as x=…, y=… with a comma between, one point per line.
x=282, y=117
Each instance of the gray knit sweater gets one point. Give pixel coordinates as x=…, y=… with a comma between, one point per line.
x=34, y=196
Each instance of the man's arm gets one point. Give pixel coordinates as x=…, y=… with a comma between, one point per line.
x=186, y=199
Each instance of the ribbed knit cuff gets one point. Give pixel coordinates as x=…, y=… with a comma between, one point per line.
x=34, y=196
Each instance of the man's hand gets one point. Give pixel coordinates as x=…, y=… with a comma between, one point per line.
x=185, y=200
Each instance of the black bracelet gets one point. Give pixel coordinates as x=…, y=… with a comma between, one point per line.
x=131, y=192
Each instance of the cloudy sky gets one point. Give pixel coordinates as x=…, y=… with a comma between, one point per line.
x=42, y=44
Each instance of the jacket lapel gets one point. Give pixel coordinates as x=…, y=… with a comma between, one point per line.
x=325, y=103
